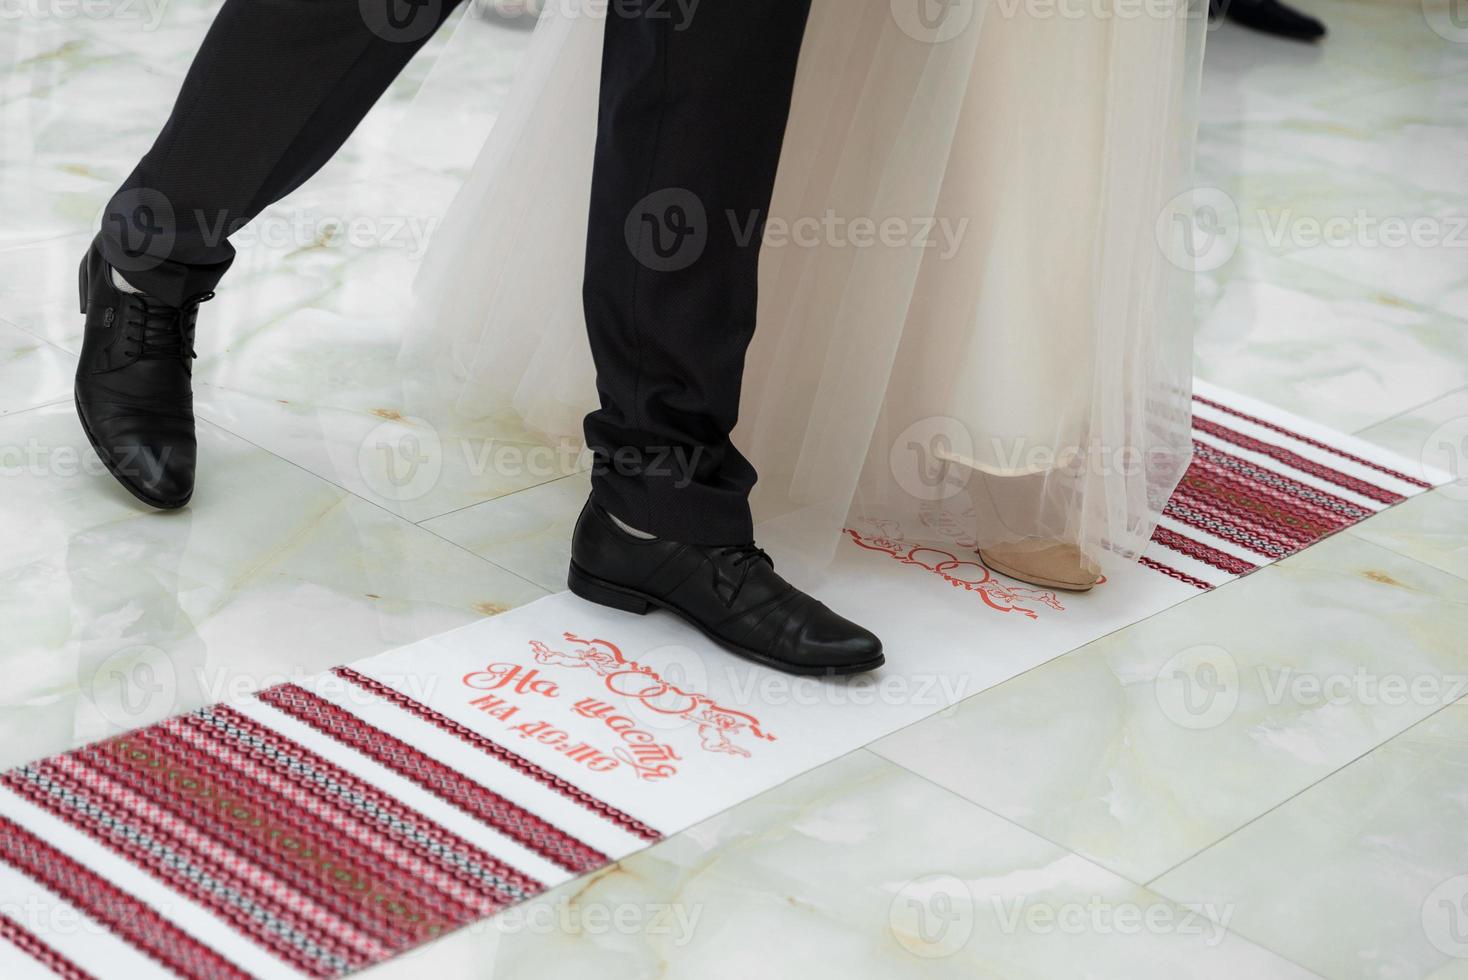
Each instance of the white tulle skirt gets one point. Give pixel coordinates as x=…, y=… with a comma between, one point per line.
x=968, y=319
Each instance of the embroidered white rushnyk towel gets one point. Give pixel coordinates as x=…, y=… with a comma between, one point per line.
x=320, y=827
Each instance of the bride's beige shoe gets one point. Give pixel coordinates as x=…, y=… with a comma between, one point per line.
x=1051, y=565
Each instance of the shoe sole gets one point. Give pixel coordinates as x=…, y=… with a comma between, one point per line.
x=604, y=593
x=1041, y=581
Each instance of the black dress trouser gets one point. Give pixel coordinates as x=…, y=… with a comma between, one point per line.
x=694, y=102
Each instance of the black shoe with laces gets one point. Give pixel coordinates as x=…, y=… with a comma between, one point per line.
x=134, y=386
x=732, y=594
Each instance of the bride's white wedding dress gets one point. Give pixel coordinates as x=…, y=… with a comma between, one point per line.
x=962, y=287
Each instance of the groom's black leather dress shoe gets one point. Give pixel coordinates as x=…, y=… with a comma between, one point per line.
x=134, y=391
x=1270, y=17
x=732, y=594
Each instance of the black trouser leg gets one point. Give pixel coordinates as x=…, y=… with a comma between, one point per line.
x=693, y=112
x=275, y=90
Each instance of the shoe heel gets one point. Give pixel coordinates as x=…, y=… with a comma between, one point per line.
x=603, y=594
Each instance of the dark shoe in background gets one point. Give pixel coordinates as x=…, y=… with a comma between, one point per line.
x=1270, y=17
x=732, y=594
x=134, y=386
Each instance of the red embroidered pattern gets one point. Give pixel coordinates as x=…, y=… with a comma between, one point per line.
x=436, y=867
x=251, y=825
x=364, y=898
x=128, y=918
x=1329, y=509
x=1198, y=551
x=522, y=765
x=1208, y=520
x=1315, y=443
x=368, y=877
x=1265, y=512
x=376, y=822
x=111, y=816
x=467, y=795
x=32, y=945
x=1229, y=510
x=286, y=852
x=1298, y=462
x=1171, y=572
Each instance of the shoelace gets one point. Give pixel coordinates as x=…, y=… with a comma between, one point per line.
x=741, y=556
x=164, y=332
